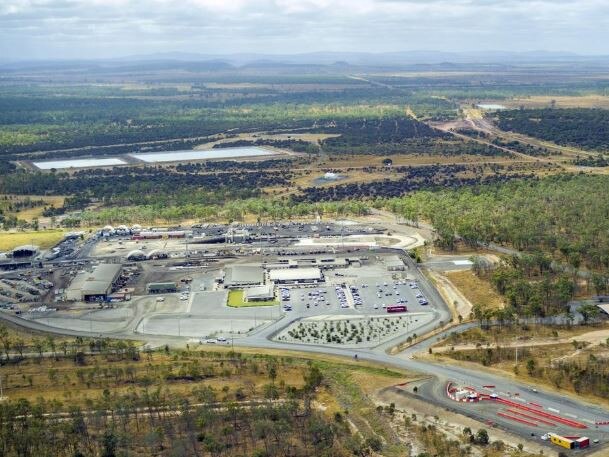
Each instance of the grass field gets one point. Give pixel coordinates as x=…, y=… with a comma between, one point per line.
x=476, y=290
x=235, y=299
x=545, y=101
x=28, y=214
x=43, y=239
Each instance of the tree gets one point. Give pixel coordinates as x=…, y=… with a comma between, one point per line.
x=482, y=437
x=588, y=311
x=5, y=339
x=109, y=442
x=50, y=342
x=531, y=365
x=272, y=372
x=20, y=346
x=38, y=345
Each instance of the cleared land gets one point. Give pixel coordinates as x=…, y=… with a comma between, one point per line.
x=29, y=207
x=476, y=290
x=45, y=239
x=545, y=101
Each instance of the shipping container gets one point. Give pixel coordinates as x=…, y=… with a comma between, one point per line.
x=583, y=442
x=562, y=441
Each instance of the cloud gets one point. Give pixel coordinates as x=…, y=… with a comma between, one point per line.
x=103, y=28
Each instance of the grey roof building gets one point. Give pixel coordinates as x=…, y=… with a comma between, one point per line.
x=394, y=263
x=94, y=285
x=243, y=275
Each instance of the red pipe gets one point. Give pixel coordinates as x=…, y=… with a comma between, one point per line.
x=533, y=424
x=529, y=416
x=562, y=420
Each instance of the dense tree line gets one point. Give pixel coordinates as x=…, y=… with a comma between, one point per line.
x=411, y=179
x=524, y=148
x=225, y=165
x=584, y=128
x=532, y=286
x=149, y=184
x=6, y=167
x=363, y=133
x=560, y=214
x=595, y=161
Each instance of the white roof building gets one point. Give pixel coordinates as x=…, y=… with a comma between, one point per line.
x=258, y=293
x=295, y=275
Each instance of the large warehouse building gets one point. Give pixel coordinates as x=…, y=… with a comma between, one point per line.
x=243, y=276
x=95, y=285
x=296, y=275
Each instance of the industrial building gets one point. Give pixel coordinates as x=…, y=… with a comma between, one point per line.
x=243, y=276
x=161, y=287
x=259, y=293
x=394, y=263
x=321, y=262
x=296, y=275
x=95, y=285
x=25, y=251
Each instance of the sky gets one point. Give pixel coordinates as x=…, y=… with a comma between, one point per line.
x=73, y=29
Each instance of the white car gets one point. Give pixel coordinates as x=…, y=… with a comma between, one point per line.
x=221, y=339
x=160, y=299
x=211, y=341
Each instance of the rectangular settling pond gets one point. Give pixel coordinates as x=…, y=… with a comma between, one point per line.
x=218, y=153
x=78, y=163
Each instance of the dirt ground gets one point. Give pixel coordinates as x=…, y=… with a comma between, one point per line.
x=579, y=334
x=474, y=289
x=457, y=301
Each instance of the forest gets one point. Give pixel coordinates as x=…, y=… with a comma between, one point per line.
x=556, y=214
x=149, y=184
x=583, y=128
x=110, y=398
x=411, y=179
x=557, y=223
x=114, y=119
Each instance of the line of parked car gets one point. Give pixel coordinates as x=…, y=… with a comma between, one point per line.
x=342, y=296
x=357, y=298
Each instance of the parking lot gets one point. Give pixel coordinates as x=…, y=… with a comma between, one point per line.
x=368, y=296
